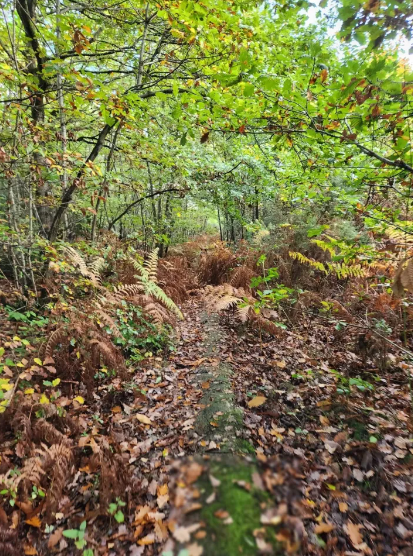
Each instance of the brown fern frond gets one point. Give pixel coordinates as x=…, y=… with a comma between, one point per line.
x=110, y=323
x=55, y=338
x=126, y=291
x=225, y=302
x=43, y=431
x=244, y=313
x=114, y=476
x=58, y=463
x=107, y=351
x=403, y=278
x=241, y=277
x=9, y=542
x=78, y=261
x=265, y=324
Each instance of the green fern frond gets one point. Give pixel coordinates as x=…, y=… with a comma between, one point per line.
x=146, y=277
x=151, y=265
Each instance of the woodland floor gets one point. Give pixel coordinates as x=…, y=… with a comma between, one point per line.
x=236, y=446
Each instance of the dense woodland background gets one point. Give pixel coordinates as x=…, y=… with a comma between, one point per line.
x=159, y=160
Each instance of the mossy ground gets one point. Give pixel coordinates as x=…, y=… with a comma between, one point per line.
x=220, y=419
x=244, y=507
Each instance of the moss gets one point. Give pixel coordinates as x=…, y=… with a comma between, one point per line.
x=243, y=446
x=360, y=431
x=244, y=507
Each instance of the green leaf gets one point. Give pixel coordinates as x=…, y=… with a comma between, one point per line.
x=120, y=518
x=71, y=533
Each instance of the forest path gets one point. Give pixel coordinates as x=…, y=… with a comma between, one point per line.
x=222, y=476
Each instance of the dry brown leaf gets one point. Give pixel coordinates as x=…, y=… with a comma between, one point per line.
x=181, y=534
x=343, y=507
x=323, y=528
x=55, y=537
x=149, y=539
x=29, y=550
x=193, y=471
x=143, y=419
x=257, y=401
x=354, y=533
x=34, y=521
x=205, y=385
x=221, y=514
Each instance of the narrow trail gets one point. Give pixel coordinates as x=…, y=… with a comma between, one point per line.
x=226, y=518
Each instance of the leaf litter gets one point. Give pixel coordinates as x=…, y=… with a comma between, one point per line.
x=337, y=468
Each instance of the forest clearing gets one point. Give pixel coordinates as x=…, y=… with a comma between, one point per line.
x=206, y=278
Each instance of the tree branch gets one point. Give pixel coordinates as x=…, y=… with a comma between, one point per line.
x=122, y=214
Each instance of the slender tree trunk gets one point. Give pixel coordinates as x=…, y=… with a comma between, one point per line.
x=103, y=191
x=62, y=118
x=220, y=226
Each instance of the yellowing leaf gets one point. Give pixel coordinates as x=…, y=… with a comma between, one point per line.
x=37, y=361
x=163, y=489
x=79, y=399
x=257, y=401
x=44, y=399
x=29, y=391
x=143, y=419
x=56, y=382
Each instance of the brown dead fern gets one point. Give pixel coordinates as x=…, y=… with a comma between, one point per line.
x=220, y=298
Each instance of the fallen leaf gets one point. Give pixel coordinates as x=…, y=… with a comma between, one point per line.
x=211, y=498
x=221, y=514
x=149, y=539
x=257, y=401
x=354, y=533
x=162, y=500
x=343, y=507
x=331, y=446
x=214, y=481
x=281, y=364
x=181, y=534
x=193, y=471
x=163, y=489
x=34, y=521
x=55, y=537
x=29, y=550
x=323, y=528
x=358, y=474
x=143, y=419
